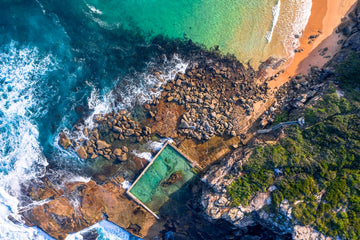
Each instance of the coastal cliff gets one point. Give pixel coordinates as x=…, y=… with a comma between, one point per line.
x=296, y=196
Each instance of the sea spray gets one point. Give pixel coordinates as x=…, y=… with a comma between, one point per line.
x=293, y=21
x=136, y=92
x=20, y=155
x=103, y=230
x=276, y=14
x=153, y=145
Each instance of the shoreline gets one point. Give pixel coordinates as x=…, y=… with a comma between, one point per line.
x=326, y=16
x=173, y=106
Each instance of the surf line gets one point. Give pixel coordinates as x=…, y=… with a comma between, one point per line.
x=276, y=14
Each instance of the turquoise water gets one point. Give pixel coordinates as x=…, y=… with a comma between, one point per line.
x=62, y=61
x=247, y=29
x=236, y=26
x=150, y=188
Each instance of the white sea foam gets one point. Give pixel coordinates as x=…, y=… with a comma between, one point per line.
x=79, y=179
x=99, y=105
x=94, y=9
x=145, y=155
x=157, y=145
x=126, y=184
x=105, y=230
x=140, y=93
x=137, y=92
x=297, y=14
x=276, y=14
x=154, y=145
x=21, y=157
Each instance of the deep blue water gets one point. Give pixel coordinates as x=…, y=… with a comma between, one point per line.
x=57, y=68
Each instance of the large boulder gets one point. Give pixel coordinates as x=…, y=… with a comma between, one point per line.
x=118, y=152
x=64, y=141
x=117, y=129
x=123, y=157
x=125, y=149
x=81, y=152
x=102, y=144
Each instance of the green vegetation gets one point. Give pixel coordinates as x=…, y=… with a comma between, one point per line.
x=348, y=74
x=317, y=169
x=282, y=117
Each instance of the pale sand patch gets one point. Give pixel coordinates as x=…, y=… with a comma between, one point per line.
x=325, y=16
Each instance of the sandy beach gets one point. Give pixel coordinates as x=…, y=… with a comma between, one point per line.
x=325, y=16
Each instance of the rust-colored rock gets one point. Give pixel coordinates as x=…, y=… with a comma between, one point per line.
x=117, y=152
x=125, y=149
x=147, y=106
x=81, y=152
x=117, y=129
x=64, y=141
x=123, y=157
x=166, y=119
x=59, y=217
x=90, y=150
x=102, y=144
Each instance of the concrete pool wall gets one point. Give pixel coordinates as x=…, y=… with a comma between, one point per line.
x=166, y=174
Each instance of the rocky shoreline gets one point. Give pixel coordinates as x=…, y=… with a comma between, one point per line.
x=208, y=109
x=212, y=112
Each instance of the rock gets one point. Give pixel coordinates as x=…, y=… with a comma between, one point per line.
x=94, y=156
x=151, y=114
x=178, y=82
x=146, y=130
x=117, y=129
x=125, y=149
x=102, y=144
x=147, y=106
x=97, y=118
x=307, y=233
x=123, y=157
x=234, y=214
x=221, y=202
x=64, y=141
x=169, y=99
x=117, y=152
x=129, y=132
x=95, y=134
x=82, y=153
x=174, y=178
x=86, y=132
x=215, y=213
x=90, y=150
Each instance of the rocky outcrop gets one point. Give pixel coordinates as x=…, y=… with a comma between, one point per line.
x=82, y=153
x=307, y=233
x=217, y=205
x=84, y=204
x=209, y=94
x=102, y=144
x=64, y=141
x=104, y=139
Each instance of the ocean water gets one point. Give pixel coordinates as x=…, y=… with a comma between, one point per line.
x=63, y=61
x=240, y=27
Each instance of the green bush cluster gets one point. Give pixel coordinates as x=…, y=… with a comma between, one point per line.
x=317, y=169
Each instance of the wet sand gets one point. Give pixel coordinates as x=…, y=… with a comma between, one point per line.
x=325, y=16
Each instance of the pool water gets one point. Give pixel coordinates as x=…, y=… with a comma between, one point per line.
x=153, y=188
